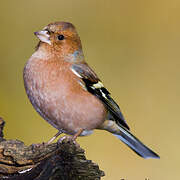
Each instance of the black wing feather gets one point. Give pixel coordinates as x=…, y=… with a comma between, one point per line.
x=90, y=79
x=111, y=105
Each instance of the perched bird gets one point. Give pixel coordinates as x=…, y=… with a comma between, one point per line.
x=68, y=94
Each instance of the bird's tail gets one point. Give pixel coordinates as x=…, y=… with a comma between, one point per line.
x=135, y=144
x=129, y=139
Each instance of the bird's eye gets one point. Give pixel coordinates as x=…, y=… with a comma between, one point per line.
x=61, y=37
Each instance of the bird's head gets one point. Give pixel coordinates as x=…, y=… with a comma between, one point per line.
x=61, y=38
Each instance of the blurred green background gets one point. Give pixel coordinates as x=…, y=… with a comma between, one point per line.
x=134, y=46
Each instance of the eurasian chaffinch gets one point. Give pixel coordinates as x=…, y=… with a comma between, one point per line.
x=68, y=94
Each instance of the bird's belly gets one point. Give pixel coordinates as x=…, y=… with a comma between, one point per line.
x=62, y=101
x=81, y=111
x=70, y=113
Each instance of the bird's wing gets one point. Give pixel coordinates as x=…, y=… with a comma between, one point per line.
x=95, y=86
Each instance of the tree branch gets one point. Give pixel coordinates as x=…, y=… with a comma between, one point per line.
x=57, y=161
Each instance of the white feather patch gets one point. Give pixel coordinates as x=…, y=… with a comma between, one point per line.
x=86, y=132
x=98, y=85
x=77, y=74
x=104, y=95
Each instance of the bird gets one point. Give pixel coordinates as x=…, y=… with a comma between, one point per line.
x=68, y=94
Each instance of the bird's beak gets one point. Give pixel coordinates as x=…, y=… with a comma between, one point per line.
x=43, y=36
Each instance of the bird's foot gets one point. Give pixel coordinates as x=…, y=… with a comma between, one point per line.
x=37, y=146
x=71, y=138
x=68, y=139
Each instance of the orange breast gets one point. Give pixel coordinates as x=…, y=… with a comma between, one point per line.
x=57, y=95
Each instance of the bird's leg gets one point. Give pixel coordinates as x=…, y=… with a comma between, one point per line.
x=77, y=134
x=34, y=146
x=71, y=138
x=54, y=137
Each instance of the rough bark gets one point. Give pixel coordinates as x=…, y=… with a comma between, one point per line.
x=57, y=161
